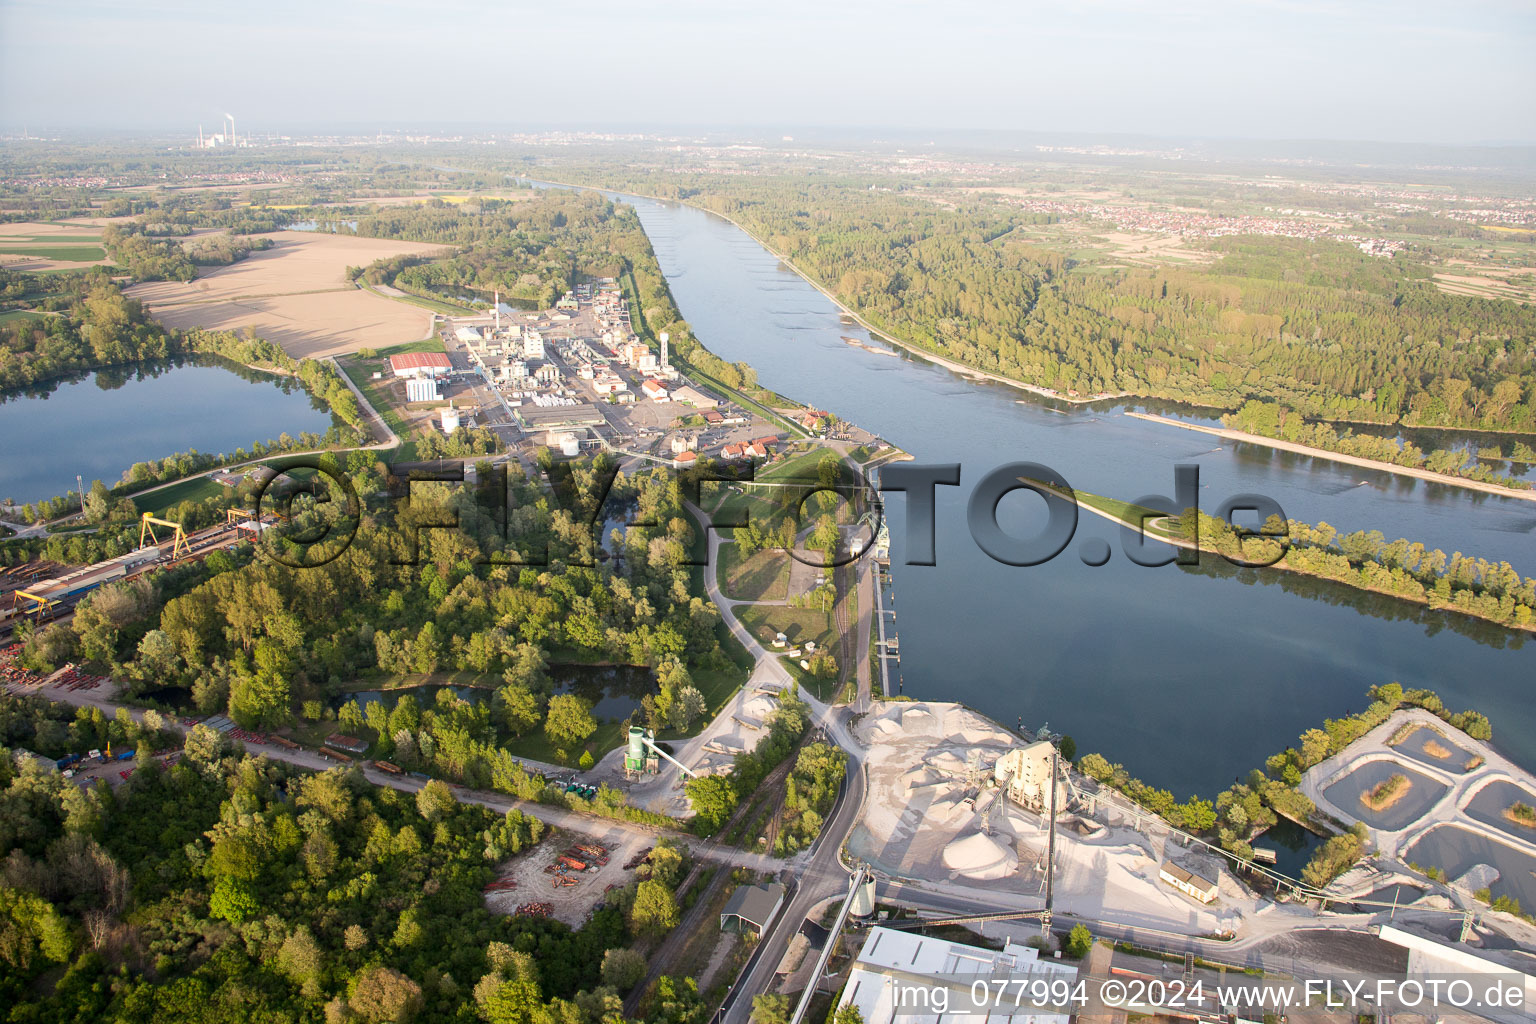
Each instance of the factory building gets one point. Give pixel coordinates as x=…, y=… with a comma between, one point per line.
x=1025, y=774
x=421, y=389
x=689, y=395
x=919, y=962
x=420, y=364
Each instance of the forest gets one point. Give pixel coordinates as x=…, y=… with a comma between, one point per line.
x=273, y=894
x=1320, y=326
x=532, y=249
x=516, y=587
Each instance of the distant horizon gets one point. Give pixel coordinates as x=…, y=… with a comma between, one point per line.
x=785, y=134
x=1413, y=72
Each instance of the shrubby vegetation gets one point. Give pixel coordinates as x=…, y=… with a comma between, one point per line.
x=1364, y=559
x=1335, y=857
x=1247, y=808
x=1275, y=420
x=271, y=895
x=715, y=798
x=809, y=793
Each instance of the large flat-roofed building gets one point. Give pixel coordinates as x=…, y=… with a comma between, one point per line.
x=893, y=962
x=420, y=364
x=559, y=417
x=689, y=395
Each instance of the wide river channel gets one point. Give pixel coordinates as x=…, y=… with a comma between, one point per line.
x=1189, y=677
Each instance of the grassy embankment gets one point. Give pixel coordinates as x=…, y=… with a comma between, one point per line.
x=762, y=576
x=360, y=372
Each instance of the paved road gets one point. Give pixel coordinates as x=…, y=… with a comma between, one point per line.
x=818, y=873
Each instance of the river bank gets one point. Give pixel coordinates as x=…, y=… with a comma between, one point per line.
x=1094, y=632
x=1348, y=460
x=1160, y=529
x=885, y=336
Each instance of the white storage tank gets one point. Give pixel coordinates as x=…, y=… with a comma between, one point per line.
x=450, y=420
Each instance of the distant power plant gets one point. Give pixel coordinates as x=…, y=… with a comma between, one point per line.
x=224, y=137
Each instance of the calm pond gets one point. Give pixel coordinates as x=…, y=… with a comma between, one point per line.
x=99, y=424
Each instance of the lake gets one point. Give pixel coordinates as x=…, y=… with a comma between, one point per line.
x=1190, y=677
x=99, y=424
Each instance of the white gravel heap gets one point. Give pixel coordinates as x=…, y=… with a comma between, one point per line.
x=980, y=856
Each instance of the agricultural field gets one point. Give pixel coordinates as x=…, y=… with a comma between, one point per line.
x=297, y=295
x=43, y=246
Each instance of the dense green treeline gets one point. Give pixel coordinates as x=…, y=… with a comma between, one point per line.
x=228, y=888
x=1275, y=420
x=146, y=258
x=261, y=640
x=1246, y=808
x=1330, y=331
x=1366, y=560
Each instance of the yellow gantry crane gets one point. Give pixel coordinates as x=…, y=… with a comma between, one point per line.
x=41, y=606
x=179, y=545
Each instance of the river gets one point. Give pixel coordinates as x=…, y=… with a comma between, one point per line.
x=1189, y=677
x=99, y=424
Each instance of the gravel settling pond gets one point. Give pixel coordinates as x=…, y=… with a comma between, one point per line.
x=1490, y=803
x=1349, y=793
x=1433, y=748
x=1456, y=850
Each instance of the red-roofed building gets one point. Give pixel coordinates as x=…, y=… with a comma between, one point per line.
x=655, y=390
x=420, y=364
x=685, y=460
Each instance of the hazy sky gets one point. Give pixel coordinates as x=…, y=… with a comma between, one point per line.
x=1374, y=69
